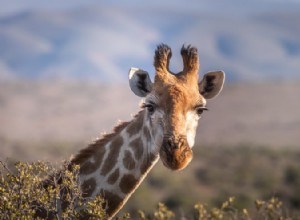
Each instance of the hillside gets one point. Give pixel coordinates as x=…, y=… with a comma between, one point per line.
x=69, y=115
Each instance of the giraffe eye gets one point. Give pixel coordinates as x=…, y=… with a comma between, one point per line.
x=200, y=110
x=150, y=108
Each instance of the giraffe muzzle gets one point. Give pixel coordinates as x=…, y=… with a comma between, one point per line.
x=175, y=154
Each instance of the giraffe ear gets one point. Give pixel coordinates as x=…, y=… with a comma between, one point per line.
x=212, y=84
x=140, y=82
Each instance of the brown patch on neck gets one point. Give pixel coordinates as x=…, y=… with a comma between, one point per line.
x=137, y=146
x=113, y=155
x=113, y=177
x=128, y=183
x=112, y=202
x=88, y=187
x=128, y=161
x=89, y=167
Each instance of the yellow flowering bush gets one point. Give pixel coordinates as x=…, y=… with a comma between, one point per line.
x=264, y=210
x=26, y=192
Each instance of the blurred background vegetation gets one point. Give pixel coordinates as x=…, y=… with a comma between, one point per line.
x=218, y=172
x=248, y=173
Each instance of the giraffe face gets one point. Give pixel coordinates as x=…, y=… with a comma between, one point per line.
x=172, y=112
x=174, y=103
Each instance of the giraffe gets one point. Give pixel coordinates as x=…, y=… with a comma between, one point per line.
x=165, y=128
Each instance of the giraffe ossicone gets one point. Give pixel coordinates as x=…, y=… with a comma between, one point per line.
x=165, y=128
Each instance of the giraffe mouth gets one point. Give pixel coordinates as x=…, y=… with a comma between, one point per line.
x=176, y=155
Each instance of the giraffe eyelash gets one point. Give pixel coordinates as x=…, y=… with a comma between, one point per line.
x=150, y=107
x=149, y=104
x=200, y=109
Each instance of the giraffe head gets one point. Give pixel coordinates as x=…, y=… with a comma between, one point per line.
x=174, y=103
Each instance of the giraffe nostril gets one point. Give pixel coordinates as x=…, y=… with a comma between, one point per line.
x=168, y=144
x=171, y=143
x=181, y=143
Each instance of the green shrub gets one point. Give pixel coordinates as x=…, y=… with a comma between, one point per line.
x=265, y=210
x=24, y=193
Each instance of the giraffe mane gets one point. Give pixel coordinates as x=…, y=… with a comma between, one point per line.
x=91, y=148
x=87, y=152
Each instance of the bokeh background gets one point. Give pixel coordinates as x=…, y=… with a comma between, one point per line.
x=63, y=82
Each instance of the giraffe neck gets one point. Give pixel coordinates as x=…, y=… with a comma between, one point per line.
x=115, y=165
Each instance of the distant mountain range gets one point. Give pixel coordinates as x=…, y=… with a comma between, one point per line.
x=102, y=42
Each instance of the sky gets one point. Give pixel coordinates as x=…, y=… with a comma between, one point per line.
x=249, y=40
x=9, y=7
